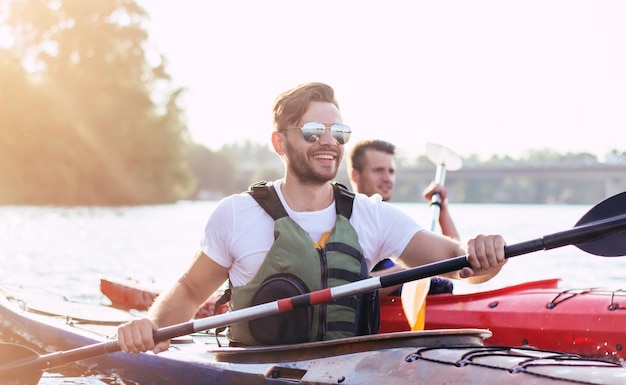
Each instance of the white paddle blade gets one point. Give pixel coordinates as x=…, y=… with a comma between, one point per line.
x=442, y=155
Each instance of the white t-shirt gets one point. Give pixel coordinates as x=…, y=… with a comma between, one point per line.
x=239, y=232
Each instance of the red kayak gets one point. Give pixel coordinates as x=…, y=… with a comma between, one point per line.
x=130, y=294
x=588, y=322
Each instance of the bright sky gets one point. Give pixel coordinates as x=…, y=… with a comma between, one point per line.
x=480, y=77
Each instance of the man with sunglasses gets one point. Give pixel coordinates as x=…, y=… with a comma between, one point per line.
x=315, y=237
x=372, y=170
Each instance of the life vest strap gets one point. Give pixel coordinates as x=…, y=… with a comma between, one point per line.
x=265, y=194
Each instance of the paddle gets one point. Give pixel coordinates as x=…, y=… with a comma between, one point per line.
x=597, y=232
x=414, y=293
x=444, y=159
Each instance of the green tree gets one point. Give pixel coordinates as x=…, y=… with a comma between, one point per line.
x=254, y=162
x=213, y=171
x=99, y=123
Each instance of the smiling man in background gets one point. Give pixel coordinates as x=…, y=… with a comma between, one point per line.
x=372, y=170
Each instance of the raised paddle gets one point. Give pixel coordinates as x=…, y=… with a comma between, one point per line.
x=414, y=293
x=602, y=231
x=445, y=160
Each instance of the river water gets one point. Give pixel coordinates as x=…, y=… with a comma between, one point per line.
x=68, y=250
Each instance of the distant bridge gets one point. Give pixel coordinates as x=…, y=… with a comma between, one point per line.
x=611, y=177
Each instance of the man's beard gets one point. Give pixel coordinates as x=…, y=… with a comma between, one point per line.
x=299, y=164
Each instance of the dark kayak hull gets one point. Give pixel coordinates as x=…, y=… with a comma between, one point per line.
x=429, y=357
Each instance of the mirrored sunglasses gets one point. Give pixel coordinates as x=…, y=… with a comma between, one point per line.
x=313, y=131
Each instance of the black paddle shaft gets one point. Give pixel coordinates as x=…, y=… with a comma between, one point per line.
x=577, y=236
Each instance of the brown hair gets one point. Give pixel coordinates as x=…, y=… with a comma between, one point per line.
x=292, y=104
x=357, y=156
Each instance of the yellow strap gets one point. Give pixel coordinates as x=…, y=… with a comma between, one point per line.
x=323, y=240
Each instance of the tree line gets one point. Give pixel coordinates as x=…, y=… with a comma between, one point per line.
x=89, y=116
x=234, y=167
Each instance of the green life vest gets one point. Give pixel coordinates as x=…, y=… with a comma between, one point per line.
x=296, y=264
